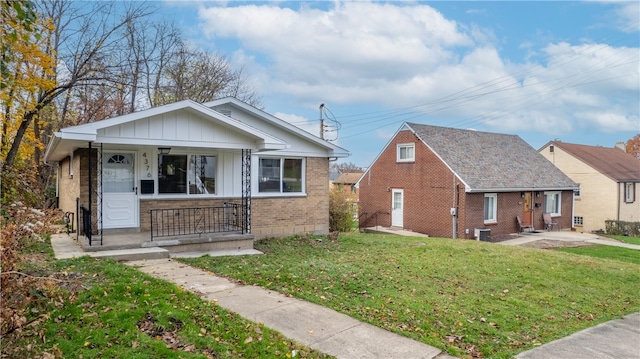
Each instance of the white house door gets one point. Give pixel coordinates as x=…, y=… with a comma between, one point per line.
x=397, y=204
x=119, y=192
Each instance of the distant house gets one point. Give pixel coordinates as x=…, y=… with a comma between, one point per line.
x=194, y=169
x=447, y=182
x=609, y=181
x=347, y=182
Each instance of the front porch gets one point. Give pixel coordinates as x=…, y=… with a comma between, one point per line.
x=131, y=239
x=136, y=246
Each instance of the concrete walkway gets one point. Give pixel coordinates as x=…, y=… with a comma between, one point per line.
x=616, y=339
x=315, y=326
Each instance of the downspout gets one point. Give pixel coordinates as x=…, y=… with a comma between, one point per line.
x=618, y=204
x=454, y=210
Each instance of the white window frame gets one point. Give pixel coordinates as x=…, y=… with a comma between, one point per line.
x=405, y=147
x=629, y=192
x=279, y=193
x=557, y=211
x=493, y=216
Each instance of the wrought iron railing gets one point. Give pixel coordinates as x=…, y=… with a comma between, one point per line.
x=86, y=222
x=197, y=221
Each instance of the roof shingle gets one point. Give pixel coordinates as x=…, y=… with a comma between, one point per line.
x=611, y=162
x=491, y=161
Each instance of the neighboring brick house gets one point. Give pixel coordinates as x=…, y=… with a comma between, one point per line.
x=609, y=181
x=222, y=166
x=447, y=182
x=347, y=183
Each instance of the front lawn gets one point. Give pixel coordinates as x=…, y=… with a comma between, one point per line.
x=609, y=252
x=469, y=298
x=106, y=309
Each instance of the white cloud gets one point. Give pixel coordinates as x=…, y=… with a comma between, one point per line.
x=403, y=54
x=300, y=122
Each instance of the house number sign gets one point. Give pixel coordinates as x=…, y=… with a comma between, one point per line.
x=146, y=166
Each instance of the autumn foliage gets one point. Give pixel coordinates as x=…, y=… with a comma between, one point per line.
x=23, y=290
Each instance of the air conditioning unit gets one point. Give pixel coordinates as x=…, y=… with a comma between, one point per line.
x=482, y=234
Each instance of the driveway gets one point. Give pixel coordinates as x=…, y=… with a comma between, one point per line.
x=557, y=239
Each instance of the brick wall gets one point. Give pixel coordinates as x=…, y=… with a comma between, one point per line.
x=270, y=216
x=277, y=217
x=428, y=186
x=431, y=190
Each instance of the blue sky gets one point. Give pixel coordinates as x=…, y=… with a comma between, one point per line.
x=543, y=70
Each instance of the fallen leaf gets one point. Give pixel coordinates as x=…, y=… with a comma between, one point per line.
x=248, y=340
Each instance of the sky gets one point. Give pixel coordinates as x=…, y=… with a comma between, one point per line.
x=542, y=70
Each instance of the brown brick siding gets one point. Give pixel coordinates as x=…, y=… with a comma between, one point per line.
x=429, y=188
x=277, y=217
x=270, y=217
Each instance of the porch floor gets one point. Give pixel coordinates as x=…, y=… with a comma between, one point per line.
x=65, y=246
x=130, y=240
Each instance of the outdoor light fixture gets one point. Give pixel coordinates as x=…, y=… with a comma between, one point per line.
x=522, y=194
x=164, y=150
x=537, y=194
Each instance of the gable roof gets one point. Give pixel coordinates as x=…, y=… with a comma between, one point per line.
x=488, y=162
x=68, y=139
x=611, y=162
x=336, y=151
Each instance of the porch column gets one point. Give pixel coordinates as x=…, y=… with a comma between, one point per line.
x=246, y=189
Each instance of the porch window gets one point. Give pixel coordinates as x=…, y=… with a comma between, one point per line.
x=278, y=175
x=629, y=192
x=553, y=203
x=405, y=152
x=186, y=174
x=490, y=207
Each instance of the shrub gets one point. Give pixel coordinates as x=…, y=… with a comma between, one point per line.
x=341, y=210
x=622, y=228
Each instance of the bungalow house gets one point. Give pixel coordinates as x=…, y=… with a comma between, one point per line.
x=455, y=183
x=609, y=181
x=189, y=169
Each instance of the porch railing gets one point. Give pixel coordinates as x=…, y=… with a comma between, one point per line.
x=197, y=221
x=86, y=223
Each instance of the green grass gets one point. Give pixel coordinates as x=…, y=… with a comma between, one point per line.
x=608, y=252
x=466, y=297
x=625, y=239
x=121, y=312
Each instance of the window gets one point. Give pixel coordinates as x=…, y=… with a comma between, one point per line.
x=186, y=174
x=490, y=207
x=552, y=203
x=629, y=192
x=577, y=221
x=278, y=175
x=405, y=152
x=202, y=174
x=118, y=174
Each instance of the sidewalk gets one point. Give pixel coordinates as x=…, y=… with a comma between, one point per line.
x=318, y=327
x=616, y=339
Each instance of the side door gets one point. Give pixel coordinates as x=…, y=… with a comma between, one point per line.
x=397, y=208
x=119, y=192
